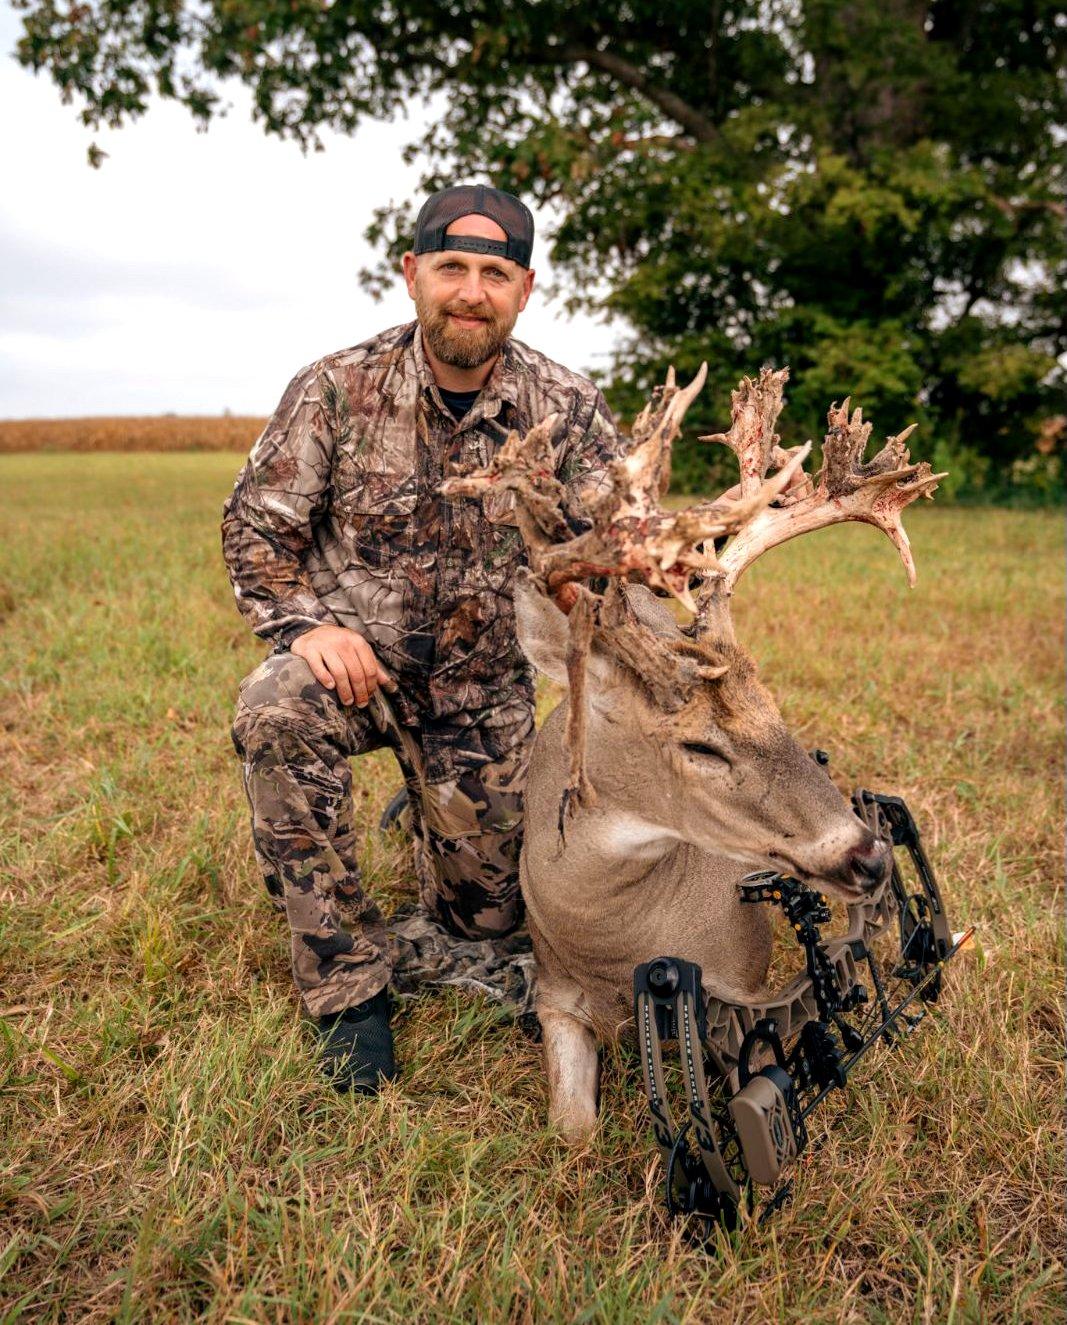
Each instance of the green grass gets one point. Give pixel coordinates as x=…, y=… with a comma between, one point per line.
x=168, y=1151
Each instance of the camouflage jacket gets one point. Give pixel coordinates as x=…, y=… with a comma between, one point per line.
x=336, y=517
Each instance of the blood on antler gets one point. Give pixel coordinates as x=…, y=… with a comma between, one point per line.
x=631, y=537
x=846, y=487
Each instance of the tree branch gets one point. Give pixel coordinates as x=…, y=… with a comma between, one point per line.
x=675, y=141
x=691, y=119
x=1012, y=209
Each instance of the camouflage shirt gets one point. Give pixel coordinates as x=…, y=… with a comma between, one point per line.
x=336, y=517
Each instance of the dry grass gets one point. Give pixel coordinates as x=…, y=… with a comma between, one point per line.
x=161, y=432
x=168, y=1151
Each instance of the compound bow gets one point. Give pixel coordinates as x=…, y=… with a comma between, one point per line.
x=755, y=1070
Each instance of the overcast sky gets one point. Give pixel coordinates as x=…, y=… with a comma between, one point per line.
x=193, y=272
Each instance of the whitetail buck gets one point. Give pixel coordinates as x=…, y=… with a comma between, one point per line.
x=667, y=770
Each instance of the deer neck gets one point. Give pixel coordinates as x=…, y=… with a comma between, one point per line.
x=614, y=845
x=619, y=849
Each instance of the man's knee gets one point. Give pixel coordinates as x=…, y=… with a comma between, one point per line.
x=283, y=680
x=281, y=695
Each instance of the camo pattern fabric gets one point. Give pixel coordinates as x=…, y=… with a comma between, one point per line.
x=336, y=518
x=295, y=739
x=425, y=955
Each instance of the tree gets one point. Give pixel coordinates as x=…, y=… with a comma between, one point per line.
x=869, y=190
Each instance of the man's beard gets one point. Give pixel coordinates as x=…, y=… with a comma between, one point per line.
x=462, y=347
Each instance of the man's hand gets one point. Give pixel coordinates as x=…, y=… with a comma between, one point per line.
x=342, y=660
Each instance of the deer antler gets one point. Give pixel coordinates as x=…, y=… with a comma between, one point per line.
x=755, y=407
x=845, y=488
x=524, y=465
x=630, y=536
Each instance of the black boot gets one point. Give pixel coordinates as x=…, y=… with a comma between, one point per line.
x=356, y=1046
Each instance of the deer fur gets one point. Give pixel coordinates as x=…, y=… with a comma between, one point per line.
x=651, y=867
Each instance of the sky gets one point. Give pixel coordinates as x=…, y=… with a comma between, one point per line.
x=195, y=273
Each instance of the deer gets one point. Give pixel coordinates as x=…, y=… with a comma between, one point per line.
x=667, y=769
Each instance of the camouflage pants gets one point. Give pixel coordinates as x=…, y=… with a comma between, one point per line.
x=295, y=740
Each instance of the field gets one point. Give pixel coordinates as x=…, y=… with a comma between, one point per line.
x=156, y=432
x=168, y=1151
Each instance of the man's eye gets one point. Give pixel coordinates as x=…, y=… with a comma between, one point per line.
x=450, y=267
x=705, y=751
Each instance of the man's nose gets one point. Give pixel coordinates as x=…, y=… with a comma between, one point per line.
x=472, y=291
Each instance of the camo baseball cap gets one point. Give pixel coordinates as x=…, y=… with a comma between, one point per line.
x=513, y=216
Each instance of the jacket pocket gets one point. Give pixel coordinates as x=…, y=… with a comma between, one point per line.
x=384, y=494
x=377, y=509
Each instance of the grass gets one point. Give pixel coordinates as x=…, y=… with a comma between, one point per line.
x=168, y=1152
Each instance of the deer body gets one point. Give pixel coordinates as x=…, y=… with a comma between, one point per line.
x=668, y=772
x=685, y=802
x=619, y=894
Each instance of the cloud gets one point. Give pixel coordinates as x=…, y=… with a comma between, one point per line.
x=194, y=271
x=58, y=269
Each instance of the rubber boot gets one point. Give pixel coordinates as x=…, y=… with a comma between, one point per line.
x=356, y=1046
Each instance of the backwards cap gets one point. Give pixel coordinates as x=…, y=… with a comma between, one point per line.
x=513, y=216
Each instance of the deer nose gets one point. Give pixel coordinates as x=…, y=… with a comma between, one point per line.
x=868, y=865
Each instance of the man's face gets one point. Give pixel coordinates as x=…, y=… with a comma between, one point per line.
x=467, y=303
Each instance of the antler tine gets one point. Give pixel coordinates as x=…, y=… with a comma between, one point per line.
x=846, y=488
x=645, y=470
x=754, y=410
x=524, y=465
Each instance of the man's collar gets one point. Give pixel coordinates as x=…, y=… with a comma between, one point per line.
x=504, y=379
x=423, y=371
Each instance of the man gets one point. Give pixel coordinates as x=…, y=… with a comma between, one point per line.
x=343, y=553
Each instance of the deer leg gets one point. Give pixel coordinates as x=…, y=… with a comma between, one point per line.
x=573, y=1074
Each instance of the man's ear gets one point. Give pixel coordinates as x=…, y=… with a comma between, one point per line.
x=527, y=286
x=541, y=627
x=408, y=264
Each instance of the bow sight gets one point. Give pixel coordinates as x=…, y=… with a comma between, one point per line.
x=753, y=1071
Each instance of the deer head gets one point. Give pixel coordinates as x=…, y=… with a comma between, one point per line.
x=669, y=715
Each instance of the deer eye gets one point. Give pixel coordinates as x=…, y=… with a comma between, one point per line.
x=704, y=751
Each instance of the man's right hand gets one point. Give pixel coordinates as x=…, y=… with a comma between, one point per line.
x=342, y=660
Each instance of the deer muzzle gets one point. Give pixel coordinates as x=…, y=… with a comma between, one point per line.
x=867, y=866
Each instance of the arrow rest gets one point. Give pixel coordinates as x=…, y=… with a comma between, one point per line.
x=753, y=1072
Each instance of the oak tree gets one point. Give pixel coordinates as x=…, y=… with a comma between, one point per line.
x=871, y=191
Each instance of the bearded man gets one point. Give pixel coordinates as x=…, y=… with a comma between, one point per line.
x=343, y=553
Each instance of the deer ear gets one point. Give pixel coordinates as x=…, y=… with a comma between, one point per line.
x=541, y=627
